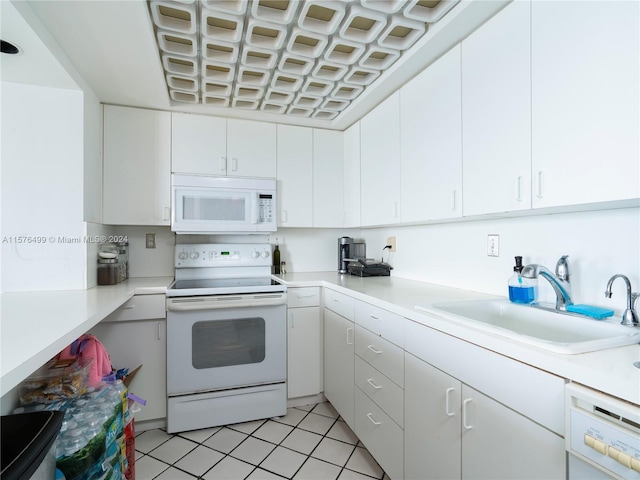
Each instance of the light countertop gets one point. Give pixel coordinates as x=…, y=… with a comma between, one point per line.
x=35, y=326
x=610, y=371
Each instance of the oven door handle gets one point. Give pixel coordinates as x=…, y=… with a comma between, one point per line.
x=213, y=304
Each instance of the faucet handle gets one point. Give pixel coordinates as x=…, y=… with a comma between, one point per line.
x=562, y=268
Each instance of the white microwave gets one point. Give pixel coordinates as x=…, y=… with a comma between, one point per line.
x=222, y=205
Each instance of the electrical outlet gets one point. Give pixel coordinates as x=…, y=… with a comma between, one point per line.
x=493, y=245
x=392, y=241
x=151, y=240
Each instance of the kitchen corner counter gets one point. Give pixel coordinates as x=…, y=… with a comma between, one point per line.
x=610, y=371
x=35, y=326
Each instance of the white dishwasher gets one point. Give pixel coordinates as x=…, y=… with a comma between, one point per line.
x=602, y=435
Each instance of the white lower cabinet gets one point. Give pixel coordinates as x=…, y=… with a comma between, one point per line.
x=133, y=342
x=457, y=432
x=304, y=341
x=339, y=364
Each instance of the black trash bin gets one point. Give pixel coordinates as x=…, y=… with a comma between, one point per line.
x=28, y=445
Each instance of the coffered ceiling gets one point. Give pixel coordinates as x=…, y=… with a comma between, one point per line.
x=310, y=62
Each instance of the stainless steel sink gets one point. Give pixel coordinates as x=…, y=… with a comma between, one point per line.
x=549, y=330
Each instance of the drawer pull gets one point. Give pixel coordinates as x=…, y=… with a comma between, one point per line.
x=305, y=296
x=446, y=402
x=370, y=382
x=349, y=336
x=129, y=307
x=374, y=317
x=370, y=417
x=373, y=349
x=464, y=414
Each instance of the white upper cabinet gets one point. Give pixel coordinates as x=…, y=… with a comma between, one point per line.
x=218, y=146
x=137, y=166
x=431, y=142
x=295, y=176
x=352, y=176
x=380, y=163
x=328, y=198
x=251, y=148
x=199, y=144
x=586, y=102
x=496, y=113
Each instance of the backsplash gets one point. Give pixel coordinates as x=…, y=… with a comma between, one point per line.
x=599, y=244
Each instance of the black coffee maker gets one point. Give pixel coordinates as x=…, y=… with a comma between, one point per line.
x=350, y=250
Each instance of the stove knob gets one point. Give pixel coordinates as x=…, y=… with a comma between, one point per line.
x=183, y=255
x=255, y=254
x=265, y=254
x=194, y=255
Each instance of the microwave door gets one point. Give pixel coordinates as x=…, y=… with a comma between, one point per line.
x=201, y=210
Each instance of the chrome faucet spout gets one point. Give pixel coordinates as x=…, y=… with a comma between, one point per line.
x=559, y=281
x=630, y=316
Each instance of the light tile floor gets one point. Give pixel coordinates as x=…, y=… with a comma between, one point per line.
x=309, y=442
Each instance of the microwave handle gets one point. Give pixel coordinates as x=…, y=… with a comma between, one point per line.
x=256, y=208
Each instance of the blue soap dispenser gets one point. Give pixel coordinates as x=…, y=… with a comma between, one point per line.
x=521, y=289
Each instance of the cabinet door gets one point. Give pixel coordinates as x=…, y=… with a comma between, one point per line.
x=498, y=443
x=328, y=198
x=198, y=144
x=352, y=176
x=295, y=176
x=339, y=364
x=431, y=139
x=496, y=113
x=251, y=149
x=586, y=101
x=432, y=442
x=137, y=166
x=140, y=342
x=380, y=162
x=303, y=349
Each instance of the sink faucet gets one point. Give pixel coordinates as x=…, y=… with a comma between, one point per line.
x=629, y=317
x=559, y=281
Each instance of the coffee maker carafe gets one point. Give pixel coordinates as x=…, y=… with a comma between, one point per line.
x=345, y=245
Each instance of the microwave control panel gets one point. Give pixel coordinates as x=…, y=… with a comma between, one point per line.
x=265, y=208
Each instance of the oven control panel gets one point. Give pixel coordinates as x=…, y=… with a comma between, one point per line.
x=223, y=255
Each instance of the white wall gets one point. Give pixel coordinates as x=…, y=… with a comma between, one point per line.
x=599, y=244
x=42, y=180
x=149, y=262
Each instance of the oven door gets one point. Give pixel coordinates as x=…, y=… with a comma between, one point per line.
x=225, y=341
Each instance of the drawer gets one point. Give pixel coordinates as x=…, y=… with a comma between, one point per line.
x=381, y=322
x=386, y=394
x=382, y=436
x=381, y=354
x=339, y=303
x=303, y=297
x=140, y=307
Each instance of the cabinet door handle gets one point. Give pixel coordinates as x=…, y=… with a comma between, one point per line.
x=291, y=319
x=166, y=214
x=447, y=394
x=395, y=209
x=159, y=330
x=373, y=349
x=234, y=164
x=373, y=317
x=283, y=216
x=370, y=417
x=540, y=189
x=464, y=414
x=370, y=382
x=453, y=201
x=349, y=336
x=223, y=164
x=519, y=189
